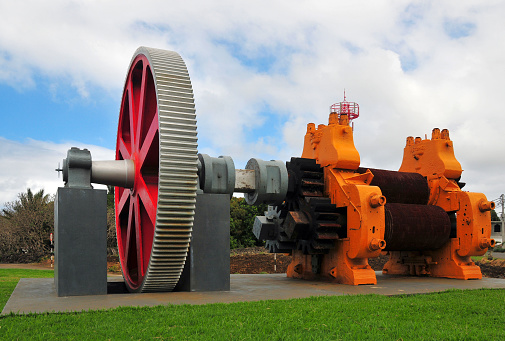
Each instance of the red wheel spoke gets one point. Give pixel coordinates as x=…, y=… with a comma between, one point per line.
x=140, y=116
x=148, y=141
x=138, y=237
x=133, y=121
x=147, y=200
x=129, y=233
x=123, y=150
x=122, y=201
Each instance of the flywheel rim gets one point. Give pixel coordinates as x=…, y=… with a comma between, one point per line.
x=156, y=225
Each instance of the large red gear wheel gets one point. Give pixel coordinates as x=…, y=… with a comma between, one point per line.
x=157, y=130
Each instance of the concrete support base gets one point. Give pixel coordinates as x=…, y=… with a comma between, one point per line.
x=37, y=295
x=207, y=266
x=80, y=226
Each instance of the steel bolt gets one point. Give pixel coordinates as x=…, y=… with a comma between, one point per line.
x=377, y=200
x=485, y=205
x=376, y=244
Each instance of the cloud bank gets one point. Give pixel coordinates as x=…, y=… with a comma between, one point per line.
x=262, y=70
x=32, y=164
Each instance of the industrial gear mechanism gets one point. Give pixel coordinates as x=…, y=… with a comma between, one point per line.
x=325, y=210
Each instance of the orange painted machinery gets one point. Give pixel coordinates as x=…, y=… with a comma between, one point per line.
x=337, y=215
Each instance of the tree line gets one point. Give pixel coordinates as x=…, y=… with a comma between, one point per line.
x=27, y=222
x=25, y=225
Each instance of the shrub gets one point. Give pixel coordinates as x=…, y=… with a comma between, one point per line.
x=241, y=223
x=25, y=226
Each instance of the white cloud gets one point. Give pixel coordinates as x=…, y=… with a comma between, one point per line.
x=411, y=67
x=32, y=164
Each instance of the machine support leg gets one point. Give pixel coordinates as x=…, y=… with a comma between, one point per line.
x=444, y=262
x=207, y=266
x=80, y=225
x=336, y=266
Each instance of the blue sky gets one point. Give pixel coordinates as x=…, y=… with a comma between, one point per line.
x=260, y=71
x=58, y=115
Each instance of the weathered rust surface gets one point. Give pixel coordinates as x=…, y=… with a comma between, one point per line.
x=297, y=225
x=415, y=227
x=245, y=181
x=400, y=187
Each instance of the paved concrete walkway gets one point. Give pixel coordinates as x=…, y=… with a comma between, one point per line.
x=38, y=294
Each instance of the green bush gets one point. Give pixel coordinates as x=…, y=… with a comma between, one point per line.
x=25, y=226
x=241, y=223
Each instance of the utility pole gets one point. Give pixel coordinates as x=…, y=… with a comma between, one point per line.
x=502, y=218
x=501, y=202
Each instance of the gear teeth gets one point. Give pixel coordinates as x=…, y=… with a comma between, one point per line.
x=306, y=194
x=312, y=178
x=313, y=247
x=275, y=246
x=322, y=245
x=308, y=165
x=178, y=159
x=311, y=184
x=325, y=215
x=318, y=201
x=311, y=192
x=326, y=236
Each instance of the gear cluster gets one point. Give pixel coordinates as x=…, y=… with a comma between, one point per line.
x=306, y=220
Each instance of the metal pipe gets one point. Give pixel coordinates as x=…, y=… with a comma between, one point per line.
x=119, y=173
x=245, y=180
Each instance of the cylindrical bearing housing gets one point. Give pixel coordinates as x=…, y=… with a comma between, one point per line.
x=271, y=182
x=217, y=175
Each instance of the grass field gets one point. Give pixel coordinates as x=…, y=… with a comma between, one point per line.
x=10, y=277
x=450, y=315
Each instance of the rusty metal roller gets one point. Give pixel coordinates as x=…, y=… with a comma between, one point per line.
x=400, y=187
x=415, y=227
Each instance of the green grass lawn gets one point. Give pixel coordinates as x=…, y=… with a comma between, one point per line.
x=9, y=279
x=450, y=315
x=478, y=258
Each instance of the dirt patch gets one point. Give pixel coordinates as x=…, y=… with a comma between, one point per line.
x=378, y=263
x=113, y=266
x=492, y=268
x=46, y=263
x=248, y=251
x=257, y=263
x=256, y=260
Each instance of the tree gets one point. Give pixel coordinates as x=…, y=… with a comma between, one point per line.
x=111, y=223
x=110, y=196
x=26, y=224
x=494, y=216
x=26, y=202
x=241, y=223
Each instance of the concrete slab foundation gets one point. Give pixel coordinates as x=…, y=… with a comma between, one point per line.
x=38, y=294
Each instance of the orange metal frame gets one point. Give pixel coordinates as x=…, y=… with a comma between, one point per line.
x=332, y=146
x=435, y=160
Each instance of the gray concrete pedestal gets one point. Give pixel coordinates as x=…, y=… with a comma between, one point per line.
x=207, y=266
x=80, y=237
